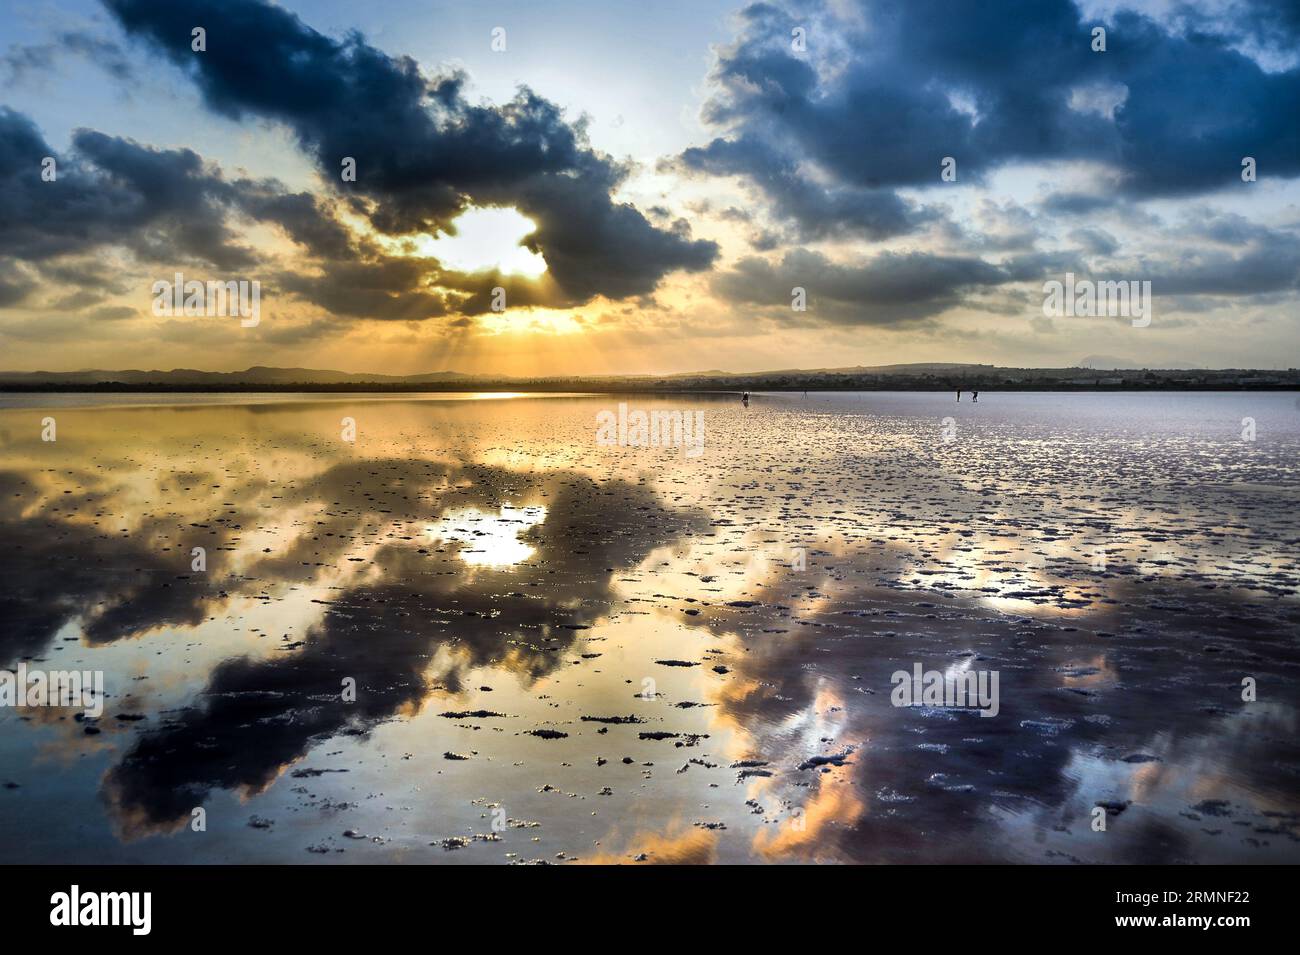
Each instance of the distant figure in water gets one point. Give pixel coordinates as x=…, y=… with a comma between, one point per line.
x=959, y=396
x=744, y=399
x=974, y=396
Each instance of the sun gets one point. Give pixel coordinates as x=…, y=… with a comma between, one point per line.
x=486, y=239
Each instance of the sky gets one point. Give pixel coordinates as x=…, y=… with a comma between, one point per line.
x=647, y=188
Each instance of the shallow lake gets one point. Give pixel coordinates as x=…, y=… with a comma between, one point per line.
x=458, y=629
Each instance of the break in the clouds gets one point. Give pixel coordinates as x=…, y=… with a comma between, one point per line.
x=808, y=154
x=423, y=151
x=423, y=154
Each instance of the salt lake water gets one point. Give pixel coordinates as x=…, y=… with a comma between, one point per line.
x=472, y=633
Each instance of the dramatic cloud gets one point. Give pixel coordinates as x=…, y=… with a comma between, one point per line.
x=818, y=165
x=423, y=152
x=820, y=210
x=1259, y=270
x=891, y=289
x=15, y=283
x=885, y=90
x=163, y=204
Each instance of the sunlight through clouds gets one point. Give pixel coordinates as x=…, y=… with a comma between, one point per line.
x=485, y=240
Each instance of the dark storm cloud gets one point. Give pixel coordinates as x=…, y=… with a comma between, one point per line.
x=170, y=207
x=167, y=200
x=1269, y=19
x=821, y=211
x=1261, y=269
x=83, y=273
x=15, y=284
x=1270, y=25
x=905, y=84
x=1077, y=203
x=423, y=152
x=890, y=289
x=300, y=214
x=1237, y=110
x=397, y=288
x=1228, y=228
x=163, y=204
x=1095, y=241
x=901, y=289
x=42, y=219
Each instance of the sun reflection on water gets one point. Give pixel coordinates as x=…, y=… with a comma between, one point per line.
x=488, y=540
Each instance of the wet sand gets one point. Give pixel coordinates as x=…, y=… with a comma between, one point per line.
x=574, y=653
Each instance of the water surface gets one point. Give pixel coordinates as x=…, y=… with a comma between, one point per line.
x=566, y=652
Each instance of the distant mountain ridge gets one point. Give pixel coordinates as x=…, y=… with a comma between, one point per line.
x=920, y=376
x=257, y=375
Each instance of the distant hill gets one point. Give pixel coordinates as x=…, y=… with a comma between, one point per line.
x=1106, y=362
x=911, y=369
x=922, y=376
x=257, y=375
